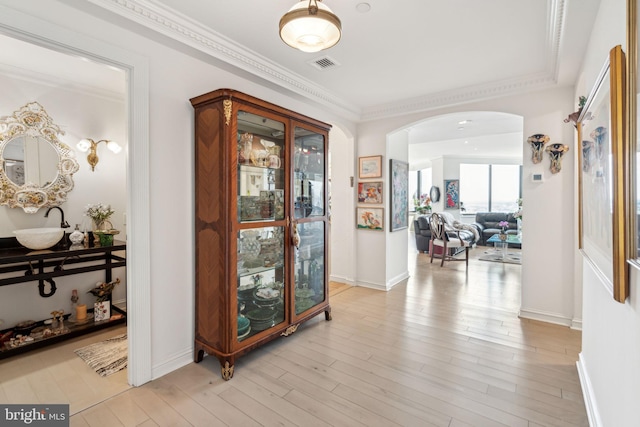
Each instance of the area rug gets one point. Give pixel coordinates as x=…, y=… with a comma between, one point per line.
x=495, y=256
x=106, y=357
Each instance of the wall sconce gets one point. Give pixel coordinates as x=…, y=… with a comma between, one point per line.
x=556, y=151
x=91, y=145
x=537, y=142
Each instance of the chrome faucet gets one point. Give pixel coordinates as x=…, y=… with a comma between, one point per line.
x=63, y=223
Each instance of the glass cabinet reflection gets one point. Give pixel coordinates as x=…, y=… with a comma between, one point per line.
x=261, y=278
x=261, y=173
x=309, y=171
x=309, y=266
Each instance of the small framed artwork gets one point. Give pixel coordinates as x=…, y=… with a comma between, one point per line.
x=370, y=218
x=452, y=194
x=370, y=192
x=370, y=167
x=399, y=203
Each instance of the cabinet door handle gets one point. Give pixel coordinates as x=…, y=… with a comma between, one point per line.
x=295, y=236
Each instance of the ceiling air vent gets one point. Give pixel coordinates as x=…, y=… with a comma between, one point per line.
x=323, y=63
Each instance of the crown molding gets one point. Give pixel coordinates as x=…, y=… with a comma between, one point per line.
x=459, y=96
x=173, y=24
x=523, y=84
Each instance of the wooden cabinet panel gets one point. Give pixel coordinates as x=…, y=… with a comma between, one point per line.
x=261, y=186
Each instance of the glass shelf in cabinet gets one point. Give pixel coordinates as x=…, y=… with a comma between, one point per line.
x=243, y=272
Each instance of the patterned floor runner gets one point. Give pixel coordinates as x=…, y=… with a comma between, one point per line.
x=106, y=357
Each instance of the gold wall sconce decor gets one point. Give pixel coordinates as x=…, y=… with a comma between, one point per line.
x=90, y=145
x=537, y=142
x=556, y=151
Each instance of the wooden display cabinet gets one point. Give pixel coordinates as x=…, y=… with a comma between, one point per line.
x=261, y=223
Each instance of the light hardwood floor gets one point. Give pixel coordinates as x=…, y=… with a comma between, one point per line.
x=445, y=348
x=57, y=375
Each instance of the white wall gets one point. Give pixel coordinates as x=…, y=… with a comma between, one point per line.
x=609, y=366
x=370, y=254
x=80, y=115
x=397, y=241
x=437, y=176
x=343, y=197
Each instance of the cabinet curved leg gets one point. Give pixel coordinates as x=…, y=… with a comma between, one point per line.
x=198, y=354
x=226, y=370
x=327, y=313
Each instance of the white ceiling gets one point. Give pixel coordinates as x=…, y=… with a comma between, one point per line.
x=396, y=58
x=399, y=57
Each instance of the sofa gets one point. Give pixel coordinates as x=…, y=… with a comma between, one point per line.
x=487, y=225
x=422, y=232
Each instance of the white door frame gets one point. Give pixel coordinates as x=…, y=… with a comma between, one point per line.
x=34, y=30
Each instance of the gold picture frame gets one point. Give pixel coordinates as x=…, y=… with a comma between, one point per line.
x=370, y=167
x=602, y=177
x=633, y=226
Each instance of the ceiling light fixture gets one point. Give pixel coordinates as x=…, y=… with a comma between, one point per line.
x=310, y=27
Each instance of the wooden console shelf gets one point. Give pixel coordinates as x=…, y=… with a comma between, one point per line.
x=22, y=265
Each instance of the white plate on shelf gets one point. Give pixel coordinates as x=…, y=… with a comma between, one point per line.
x=243, y=336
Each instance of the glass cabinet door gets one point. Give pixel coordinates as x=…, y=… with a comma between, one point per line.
x=308, y=179
x=261, y=290
x=261, y=172
x=309, y=266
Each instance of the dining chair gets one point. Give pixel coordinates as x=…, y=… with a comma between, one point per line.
x=441, y=236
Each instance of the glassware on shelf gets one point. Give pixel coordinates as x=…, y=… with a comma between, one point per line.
x=250, y=243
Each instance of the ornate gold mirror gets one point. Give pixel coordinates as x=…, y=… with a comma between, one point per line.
x=36, y=168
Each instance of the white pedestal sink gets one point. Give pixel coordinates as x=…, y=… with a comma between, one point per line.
x=39, y=238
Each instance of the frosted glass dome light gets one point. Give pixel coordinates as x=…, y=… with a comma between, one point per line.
x=310, y=27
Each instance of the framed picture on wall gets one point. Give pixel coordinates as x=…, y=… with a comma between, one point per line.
x=370, y=167
x=370, y=218
x=370, y=192
x=601, y=214
x=399, y=202
x=452, y=194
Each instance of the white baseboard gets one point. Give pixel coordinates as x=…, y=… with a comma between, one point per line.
x=340, y=279
x=399, y=278
x=587, y=394
x=371, y=285
x=545, y=317
x=171, y=364
x=384, y=286
x=576, y=324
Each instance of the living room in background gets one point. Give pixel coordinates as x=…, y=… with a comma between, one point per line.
x=490, y=188
x=420, y=182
